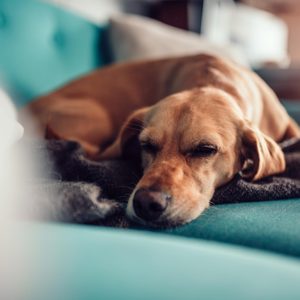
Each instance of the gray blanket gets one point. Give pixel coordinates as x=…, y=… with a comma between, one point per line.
x=75, y=189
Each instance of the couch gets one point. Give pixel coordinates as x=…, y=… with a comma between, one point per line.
x=41, y=47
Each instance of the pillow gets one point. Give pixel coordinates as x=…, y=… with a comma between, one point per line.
x=133, y=37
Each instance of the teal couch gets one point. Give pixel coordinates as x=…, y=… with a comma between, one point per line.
x=41, y=47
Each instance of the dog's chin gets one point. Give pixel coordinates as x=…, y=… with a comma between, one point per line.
x=157, y=224
x=161, y=223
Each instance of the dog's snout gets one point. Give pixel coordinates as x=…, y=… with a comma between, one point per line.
x=149, y=205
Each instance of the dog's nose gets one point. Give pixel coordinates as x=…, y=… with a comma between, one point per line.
x=149, y=204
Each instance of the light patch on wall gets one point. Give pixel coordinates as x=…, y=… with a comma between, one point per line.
x=95, y=11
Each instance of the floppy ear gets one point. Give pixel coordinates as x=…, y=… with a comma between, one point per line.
x=262, y=156
x=126, y=143
x=50, y=134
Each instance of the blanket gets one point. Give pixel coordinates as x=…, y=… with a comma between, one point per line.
x=75, y=189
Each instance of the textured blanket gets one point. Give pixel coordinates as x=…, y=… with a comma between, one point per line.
x=75, y=189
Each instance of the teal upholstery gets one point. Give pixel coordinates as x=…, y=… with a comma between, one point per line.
x=271, y=225
x=98, y=263
x=43, y=46
x=293, y=108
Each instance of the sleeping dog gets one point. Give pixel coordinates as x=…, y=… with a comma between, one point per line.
x=194, y=122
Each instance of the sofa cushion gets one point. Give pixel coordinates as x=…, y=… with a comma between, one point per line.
x=72, y=262
x=272, y=225
x=43, y=46
x=134, y=37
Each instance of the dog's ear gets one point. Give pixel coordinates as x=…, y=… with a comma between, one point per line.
x=127, y=143
x=261, y=155
x=50, y=134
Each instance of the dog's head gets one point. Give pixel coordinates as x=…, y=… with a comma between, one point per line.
x=191, y=143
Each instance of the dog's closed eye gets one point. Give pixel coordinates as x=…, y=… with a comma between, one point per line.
x=149, y=146
x=203, y=150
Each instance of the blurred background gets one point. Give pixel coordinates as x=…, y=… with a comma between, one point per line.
x=44, y=43
x=267, y=32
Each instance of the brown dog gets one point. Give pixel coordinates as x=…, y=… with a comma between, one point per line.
x=197, y=121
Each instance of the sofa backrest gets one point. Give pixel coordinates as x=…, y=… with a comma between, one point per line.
x=42, y=46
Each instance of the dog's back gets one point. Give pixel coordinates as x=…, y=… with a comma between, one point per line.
x=92, y=109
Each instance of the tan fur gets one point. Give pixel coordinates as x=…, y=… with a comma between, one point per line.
x=175, y=103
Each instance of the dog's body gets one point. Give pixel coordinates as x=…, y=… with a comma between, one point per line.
x=172, y=106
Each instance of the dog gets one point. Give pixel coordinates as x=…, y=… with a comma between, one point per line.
x=194, y=122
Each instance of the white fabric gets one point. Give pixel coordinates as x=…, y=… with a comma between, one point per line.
x=10, y=129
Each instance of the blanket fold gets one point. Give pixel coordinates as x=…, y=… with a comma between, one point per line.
x=75, y=189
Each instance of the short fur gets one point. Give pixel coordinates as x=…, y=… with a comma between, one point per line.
x=175, y=104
